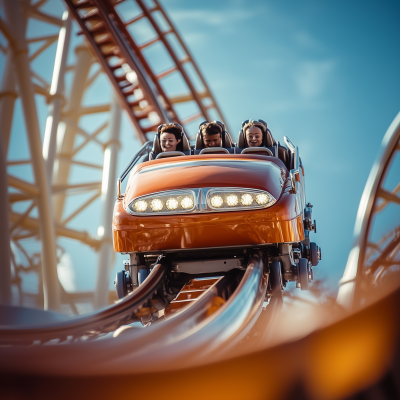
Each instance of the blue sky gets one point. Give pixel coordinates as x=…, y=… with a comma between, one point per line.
x=324, y=73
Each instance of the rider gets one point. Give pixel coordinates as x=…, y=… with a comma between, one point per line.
x=254, y=131
x=212, y=134
x=170, y=137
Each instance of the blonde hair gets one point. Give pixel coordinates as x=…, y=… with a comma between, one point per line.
x=256, y=124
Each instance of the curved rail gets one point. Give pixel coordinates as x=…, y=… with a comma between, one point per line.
x=196, y=332
x=147, y=299
x=350, y=284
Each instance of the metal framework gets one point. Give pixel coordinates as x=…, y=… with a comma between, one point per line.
x=39, y=209
x=139, y=86
x=373, y=262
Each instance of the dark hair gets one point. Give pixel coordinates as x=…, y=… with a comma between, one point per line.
x=211, y=128
x=174, y=130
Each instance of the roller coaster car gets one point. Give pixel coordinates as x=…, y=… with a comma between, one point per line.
x=206, y=210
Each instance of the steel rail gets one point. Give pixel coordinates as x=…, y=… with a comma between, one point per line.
x=207, y=340
x=198, y=330
x=147, y=299
x=351, y=282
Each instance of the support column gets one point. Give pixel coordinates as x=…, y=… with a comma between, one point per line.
x=8, y=95
x=56, y=91
x=66, y=141
x=107, y=205
x=5, y=267
x=8, y=92
x=46, y=228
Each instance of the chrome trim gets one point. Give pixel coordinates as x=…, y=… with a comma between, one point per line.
x=202, y=204
x=170, y=154
x=145, y=148
x=119, y=188
x=295, y=171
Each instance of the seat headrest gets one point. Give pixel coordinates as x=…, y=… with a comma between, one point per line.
x=156, y=144
x=226, y=137
x=185, y=143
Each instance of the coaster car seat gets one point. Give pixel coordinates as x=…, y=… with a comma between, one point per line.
x=227, y=142
x=183, y=146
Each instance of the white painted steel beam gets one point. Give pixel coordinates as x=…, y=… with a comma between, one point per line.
x=57, y=95
x=66, y=135
x=107, y=204
x=5, y=267
x=8, y=91
x=8, y=95
x=26, y=91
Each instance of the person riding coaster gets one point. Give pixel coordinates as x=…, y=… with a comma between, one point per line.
x=213, y=136
x=170, y=138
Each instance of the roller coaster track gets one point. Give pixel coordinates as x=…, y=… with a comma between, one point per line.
x=206, y=325
x=374, y=257
x=125, y=63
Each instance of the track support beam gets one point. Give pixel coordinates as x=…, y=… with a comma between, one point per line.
x=26, y=90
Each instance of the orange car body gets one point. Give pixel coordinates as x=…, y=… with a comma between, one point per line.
x=280, y=223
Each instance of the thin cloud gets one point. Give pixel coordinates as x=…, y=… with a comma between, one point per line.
x=307, y=41
x=312, y=77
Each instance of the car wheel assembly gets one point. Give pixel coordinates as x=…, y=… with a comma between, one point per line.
x=303, y=273
x=275, y=279
x=122, y=284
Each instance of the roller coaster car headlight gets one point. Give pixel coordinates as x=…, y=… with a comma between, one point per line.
x=200, y=200
x=169, y=202
x=235, y=199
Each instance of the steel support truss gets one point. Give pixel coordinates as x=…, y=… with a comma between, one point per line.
x=44, y=209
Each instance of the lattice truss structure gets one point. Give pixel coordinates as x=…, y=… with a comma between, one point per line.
x=381, y=256
x=73, y=73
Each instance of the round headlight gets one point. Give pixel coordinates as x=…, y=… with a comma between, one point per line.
x=187, y=203
x=217, y=201
x=172, y=204
x=140, y=206
x=246, y=199
x=156, y=205
x=262, y=199
x=232, y=200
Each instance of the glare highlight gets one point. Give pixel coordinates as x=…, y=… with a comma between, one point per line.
x=217, y=201
x=232, y=200
x=246, y=199
x=140, y=206
x=156, y=205
x=187, y=203
x=172, y=204
x=262, y=199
